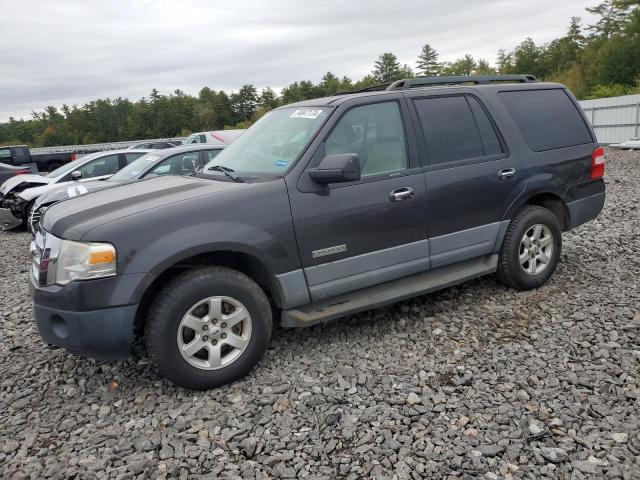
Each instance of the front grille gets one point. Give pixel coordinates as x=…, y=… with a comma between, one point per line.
x=34, y=219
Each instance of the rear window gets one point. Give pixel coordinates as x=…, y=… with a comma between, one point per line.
x=547, y=119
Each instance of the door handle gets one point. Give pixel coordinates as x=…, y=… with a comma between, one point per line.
x=401, y=194
x=507, y=173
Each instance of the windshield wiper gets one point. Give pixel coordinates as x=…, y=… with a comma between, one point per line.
x=227, y=171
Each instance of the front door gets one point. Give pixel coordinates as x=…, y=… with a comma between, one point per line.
x=472, y=179
x=357, y=234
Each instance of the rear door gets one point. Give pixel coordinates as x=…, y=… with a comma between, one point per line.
x=352, y=235
x=471, y=175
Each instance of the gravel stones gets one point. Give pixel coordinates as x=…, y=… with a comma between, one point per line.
x=555, y=455
x=475, y=381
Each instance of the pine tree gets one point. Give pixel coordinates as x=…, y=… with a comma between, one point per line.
x=574, y=34
x=387, y=68
x=613, y=17
x=268, y=99
x=505, y=62
x=427, y=63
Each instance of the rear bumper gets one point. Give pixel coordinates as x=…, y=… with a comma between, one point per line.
x=103, y=334
x=585, y=209
x=7, y=220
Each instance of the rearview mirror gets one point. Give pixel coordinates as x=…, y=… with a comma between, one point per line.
x=342, y=167
x=76, y=175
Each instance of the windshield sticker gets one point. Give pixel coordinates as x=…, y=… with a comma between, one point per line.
x=281, y=164
x=308, y=113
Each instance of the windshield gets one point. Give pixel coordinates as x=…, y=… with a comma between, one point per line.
x=71, y=166
x=272, y=144
x=135, y=168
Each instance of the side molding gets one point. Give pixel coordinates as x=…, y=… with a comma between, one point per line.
x=293, y=286
x=463, y=245
x=352, y=273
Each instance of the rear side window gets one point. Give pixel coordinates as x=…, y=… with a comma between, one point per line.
x=130, y=157
x=547, y=119
x=456, y=129
x=487, y=132
x=21, y=152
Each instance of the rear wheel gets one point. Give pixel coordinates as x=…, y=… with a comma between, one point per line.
x=52, y=167
x=531, y=248
x=208, y=327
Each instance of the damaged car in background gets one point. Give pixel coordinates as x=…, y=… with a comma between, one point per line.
x=19, y=193
x=182, y=160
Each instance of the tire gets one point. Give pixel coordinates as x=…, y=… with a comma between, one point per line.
x=167, y=329
x=534, y=272
x=53, y=167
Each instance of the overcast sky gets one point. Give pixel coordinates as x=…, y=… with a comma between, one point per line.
x=74, y=51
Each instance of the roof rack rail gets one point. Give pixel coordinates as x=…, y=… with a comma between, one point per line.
x=381, y=87
x=460, y=80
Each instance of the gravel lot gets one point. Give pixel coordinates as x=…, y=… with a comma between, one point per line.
x=476, y=381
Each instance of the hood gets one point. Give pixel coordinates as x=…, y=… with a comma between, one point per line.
x=73, y=218
x=21, y=182
x=71, y=190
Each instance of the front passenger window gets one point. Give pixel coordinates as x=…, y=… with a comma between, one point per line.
x=107, y=165
x=374, y=132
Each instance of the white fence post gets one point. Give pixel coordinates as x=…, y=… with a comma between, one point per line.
x=637, y=129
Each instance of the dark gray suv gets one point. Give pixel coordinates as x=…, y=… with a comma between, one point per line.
x=321, y=209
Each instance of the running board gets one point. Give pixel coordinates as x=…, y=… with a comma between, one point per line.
x=389, y=292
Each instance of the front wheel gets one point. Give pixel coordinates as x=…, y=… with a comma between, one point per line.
x=208, y=327
x=531, y=248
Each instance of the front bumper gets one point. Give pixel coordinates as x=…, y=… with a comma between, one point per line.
x=7, y=220
x=93, y=318
x=104, y=334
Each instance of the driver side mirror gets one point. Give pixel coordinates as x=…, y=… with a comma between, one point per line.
x=342, y=167
x=76, y=175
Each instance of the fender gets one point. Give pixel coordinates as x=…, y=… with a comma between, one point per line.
x=541, y=183
x=182, y=244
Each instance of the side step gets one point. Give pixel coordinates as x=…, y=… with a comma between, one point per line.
x=390, y=292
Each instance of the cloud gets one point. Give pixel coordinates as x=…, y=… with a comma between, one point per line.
x=78, y=50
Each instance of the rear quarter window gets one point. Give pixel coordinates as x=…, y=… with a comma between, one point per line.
x=547, y=119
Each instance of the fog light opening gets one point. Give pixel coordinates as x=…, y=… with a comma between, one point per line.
x=59, y=326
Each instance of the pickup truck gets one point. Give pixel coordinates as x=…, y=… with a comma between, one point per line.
x=321, y=209
x=19, y=155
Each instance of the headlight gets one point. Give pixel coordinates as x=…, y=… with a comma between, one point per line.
x=78, y=261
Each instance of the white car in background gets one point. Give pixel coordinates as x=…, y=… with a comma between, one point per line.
x=224, y=137
x=19, y=193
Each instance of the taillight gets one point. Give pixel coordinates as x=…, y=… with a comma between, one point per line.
x=22, y=172
x=73, y=157
x=597, y=163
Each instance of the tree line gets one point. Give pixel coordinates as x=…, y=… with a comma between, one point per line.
x=594, y=61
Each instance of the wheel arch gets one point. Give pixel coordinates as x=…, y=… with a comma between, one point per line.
x=546, y=198
x=235, y=259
